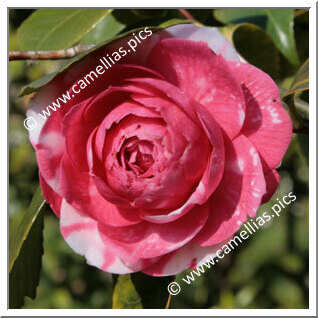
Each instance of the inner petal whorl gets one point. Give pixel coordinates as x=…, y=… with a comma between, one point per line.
x=137, y=156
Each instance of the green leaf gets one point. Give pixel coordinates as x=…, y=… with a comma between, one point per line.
x=277, y=22
x=54, y=29
x=120, y=19
x=36, y=85
x=25, y=254
x=301, y=80
x=240, y=16
x=298, y=108
x=255, y=46
x=302, y=109
x=139, y=290
x=280, y=27
x=299, y=113
x=301, y=29
x=111, y=25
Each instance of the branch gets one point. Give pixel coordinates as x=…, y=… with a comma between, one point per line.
x=187, y=14
x=49, y=55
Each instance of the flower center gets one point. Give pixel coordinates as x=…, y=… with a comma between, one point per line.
x=137, y=156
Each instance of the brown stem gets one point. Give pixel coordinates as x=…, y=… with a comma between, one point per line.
x=187, y=14
x=49, y=55
x=168, y=302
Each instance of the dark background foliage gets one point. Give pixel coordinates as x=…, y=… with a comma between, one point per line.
x=269, y=270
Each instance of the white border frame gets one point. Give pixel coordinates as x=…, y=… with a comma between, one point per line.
x=312, y=165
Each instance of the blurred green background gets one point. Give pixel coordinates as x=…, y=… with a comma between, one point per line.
x=269, y=270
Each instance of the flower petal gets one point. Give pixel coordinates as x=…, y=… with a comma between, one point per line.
x=50, y=148
x=205, y=77
x=80, y=191
x=272, y=179
x=81, y=119
x=267, y=124
x=212, y=36
x=51, y=196
x=149, y=240
x=188, y=256
x=239, y=194
x=82, y=235
x=214, y=169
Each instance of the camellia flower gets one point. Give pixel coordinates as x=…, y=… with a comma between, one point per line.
x=158, y=162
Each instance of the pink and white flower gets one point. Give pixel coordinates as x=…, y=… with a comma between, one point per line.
x=165, y=155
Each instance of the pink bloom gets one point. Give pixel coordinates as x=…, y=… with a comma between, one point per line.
x=160, y=160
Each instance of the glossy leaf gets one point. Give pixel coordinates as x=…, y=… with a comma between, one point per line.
x=255, y=46
x=54, y=29
x=299, y=113
x=25, y=254
x=36, y=85
x=280, y=27
x=301, y=80
x=302, y=110
x=277, y=22
x=301, y=29
x=138, y=290
x=298, y=108
x=226, y=16
x=111, y=25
